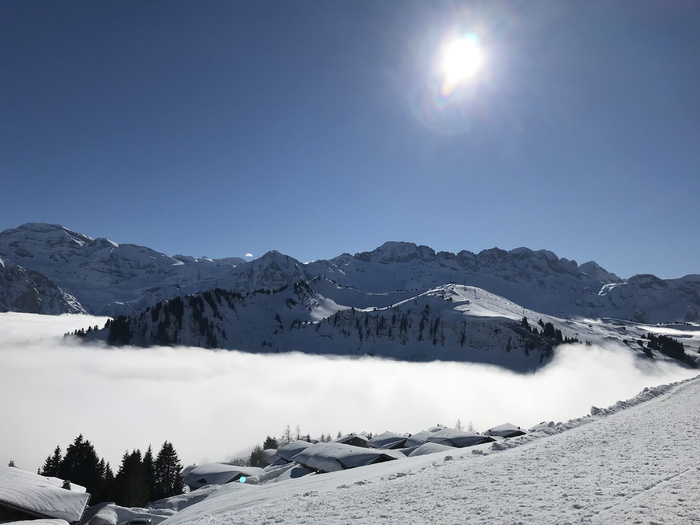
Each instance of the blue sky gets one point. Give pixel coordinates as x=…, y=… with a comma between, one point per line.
x=313, y=128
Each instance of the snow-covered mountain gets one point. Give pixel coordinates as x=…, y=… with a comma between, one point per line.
x=450, y=323
x=400, y=300
x=105, y=277
x=538, y=280
x=27, y=291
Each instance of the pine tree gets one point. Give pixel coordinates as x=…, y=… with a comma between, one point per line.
x=270, y=443
x=81, y=465
x=106, y=489
x=149, y=466
x=52, y=465
x=131, y=483
x=256, y=457
x=166, y=473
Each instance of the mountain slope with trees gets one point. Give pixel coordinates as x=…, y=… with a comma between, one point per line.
x=450, y=322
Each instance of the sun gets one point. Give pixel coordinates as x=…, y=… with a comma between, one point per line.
x=461, y=59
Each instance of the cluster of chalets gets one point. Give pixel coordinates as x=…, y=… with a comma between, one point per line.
x=300, y=457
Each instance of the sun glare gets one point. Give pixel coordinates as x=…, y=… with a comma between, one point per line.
x=461, y=60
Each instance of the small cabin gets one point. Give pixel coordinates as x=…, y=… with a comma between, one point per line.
x=28, y=496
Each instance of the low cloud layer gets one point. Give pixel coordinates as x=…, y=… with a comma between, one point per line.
x=211, y=405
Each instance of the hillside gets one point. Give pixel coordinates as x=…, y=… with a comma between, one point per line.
x=452, y=322
x=448, y=323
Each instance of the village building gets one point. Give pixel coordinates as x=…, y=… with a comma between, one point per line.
x=28, y=496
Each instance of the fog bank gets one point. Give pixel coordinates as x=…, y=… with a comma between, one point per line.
x=210, y=404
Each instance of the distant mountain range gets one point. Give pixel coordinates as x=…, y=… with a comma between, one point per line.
x=399, y=300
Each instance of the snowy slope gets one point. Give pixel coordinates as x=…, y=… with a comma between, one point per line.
x=631, y=464
x=450, y=323
x=455, y=323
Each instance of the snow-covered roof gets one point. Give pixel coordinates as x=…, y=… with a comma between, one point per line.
x=429, y=448
x=269, y=456
x=330, y=457
x=358, y=440
x=217, y=474
x=388, y=440
x=457, y=438
x=505, y=430
x=419, y=438
x=40, y=496
x=288, y=451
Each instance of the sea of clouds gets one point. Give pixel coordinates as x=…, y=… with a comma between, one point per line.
x=213, y=404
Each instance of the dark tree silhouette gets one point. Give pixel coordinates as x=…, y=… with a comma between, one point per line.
x=166, y=473
x=81, y=465
x=131, y=482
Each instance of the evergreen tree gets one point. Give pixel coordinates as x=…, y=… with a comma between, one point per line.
x=270, y=443
x=109, y=481
x=549, y=330
x=81, y=465
x=120, y=331
x=166, y=476
x=256, y=457
x=131, y=483
x=106, y=489
x=52, y=465
x=149, y=467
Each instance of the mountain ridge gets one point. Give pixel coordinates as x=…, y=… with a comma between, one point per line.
x=107, y=278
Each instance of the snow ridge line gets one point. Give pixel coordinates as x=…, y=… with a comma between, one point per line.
x=647, y=394
x=551, y=428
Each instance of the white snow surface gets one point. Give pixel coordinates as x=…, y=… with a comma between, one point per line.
x=633, y=463
x=41, y=495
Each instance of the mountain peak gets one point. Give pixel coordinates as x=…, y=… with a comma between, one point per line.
x=397, y=252
x=594, y=270
x=50, y=234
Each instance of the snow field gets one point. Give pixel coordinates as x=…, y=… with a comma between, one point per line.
x=635, y=466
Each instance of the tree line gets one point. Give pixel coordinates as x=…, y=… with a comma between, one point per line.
x=670, y=347
x=141, y=477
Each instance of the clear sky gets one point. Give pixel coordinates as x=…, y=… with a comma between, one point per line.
x=314, y=128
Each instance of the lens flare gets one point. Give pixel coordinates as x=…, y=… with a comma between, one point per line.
x=461, y=60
